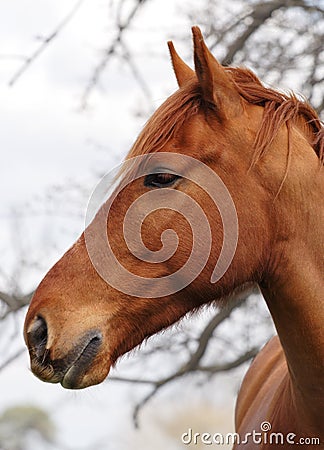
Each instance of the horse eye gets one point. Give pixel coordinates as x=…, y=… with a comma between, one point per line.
x=160, y=179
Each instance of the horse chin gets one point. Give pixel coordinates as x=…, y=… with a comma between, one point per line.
x=85, y=370
x=76, y=379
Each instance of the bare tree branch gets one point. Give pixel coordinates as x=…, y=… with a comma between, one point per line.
x=230, y=365
x=211, y=370
x=193, y=363
x=14, y=302
x=45, y=42
x=205, y=336
x=136, y=73
x=110, y=51
x=11, y=359
x=260, y=14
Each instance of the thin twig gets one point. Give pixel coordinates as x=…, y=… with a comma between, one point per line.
x=259, y=16
x=15, y=302
x=136, y=73
x=131, y=380
x=108, y=53
x=11, y=359
x=230, y=365
x=192, y=365
x=208, y=331
x=211, y=370
x=45, y=42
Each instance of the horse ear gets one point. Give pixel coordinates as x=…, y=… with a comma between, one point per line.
x=217, y=86
x=182, y=71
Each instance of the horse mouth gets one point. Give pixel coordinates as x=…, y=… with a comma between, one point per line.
x=74, y=374
x=70, y=370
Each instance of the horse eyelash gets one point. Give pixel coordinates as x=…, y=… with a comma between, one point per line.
x=151, y=180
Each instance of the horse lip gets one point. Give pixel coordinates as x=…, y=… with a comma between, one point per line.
x=69, y=370
x=74, y=373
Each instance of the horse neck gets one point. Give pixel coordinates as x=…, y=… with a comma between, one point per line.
x=294, y=290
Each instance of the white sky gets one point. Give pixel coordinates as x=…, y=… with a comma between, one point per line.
x=44, y=136
x=45, y=140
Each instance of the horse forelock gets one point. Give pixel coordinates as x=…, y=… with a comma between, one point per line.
x=168, y=119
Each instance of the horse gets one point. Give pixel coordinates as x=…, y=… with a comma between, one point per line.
x=247, y=159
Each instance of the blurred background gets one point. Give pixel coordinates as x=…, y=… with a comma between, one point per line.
x=78, y=80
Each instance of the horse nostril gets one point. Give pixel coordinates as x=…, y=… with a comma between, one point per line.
x=37, y=336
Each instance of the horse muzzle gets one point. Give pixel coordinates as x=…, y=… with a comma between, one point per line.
x=74, y=369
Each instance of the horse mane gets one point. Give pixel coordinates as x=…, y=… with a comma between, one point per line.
x=279, y=109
